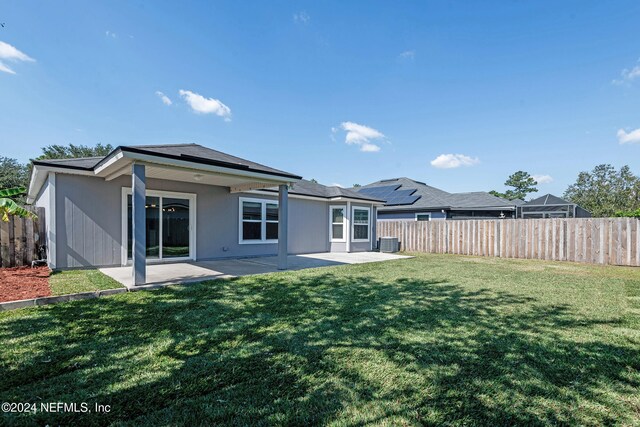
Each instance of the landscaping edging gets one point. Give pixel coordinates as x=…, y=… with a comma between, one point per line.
x=34, y=302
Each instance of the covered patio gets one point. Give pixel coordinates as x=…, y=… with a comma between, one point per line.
x=164, y=163
x=197, y=271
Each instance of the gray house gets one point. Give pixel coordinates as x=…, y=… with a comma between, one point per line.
x=163, y=203
x=407, y=199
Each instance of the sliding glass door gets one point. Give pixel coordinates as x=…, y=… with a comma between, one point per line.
x=168, y=226
x=175, y=228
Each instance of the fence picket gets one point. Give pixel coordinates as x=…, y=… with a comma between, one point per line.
x=595, y=240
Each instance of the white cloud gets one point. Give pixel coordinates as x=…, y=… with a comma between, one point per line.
x=408, y=54
x=110, y=34
x=6, y=69
x=361, y=135
x=165, y=99
x=632, y=137
x=335, y=184
x=200, y=104
x=10, y=53
x=449, y=161
x=543, y=179
x=369, y=148
x=301, y=18
x=628, y=75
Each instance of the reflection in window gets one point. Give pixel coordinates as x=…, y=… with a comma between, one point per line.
x=337, y=223
x=251, y=221
x=259, y=220
x=152, y=214
x=360, y=224
x=175, y=227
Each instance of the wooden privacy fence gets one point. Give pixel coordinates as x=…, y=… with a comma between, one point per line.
x=594, y=240
x=20, y=239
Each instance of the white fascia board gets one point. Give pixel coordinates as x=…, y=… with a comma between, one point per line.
x=291, y=196
x=244, y=188
x=40, y=174
x=110, y=162
x=318, y=198
x=147, y=158
x=351, y=199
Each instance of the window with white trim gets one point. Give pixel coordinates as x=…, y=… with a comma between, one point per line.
x=423, y=217
x=361, y=224
x=337, y=223
x=258, y=221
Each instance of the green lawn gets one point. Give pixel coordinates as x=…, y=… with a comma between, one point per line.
x=74, y=281
x=439, y=339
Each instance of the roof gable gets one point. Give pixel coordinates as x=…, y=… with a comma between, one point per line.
x=193, y=153
x=547, y=199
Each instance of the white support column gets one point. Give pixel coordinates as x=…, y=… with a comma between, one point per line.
x=374, y=226
x=283, y=220
x=138, y=201
x=347, y=218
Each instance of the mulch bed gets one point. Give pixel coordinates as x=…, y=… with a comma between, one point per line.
x=23, y=283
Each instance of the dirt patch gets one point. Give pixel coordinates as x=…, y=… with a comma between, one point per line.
x=23, y=283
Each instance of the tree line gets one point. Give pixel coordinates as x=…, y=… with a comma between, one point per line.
x=604, y=191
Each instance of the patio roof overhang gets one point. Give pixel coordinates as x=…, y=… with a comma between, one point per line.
x=119, y=163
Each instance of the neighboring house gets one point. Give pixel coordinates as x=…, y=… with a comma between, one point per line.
x=550, y=206
x=159, y=203
x=407, y=199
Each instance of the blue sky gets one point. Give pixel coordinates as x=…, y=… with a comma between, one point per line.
x=343, y=92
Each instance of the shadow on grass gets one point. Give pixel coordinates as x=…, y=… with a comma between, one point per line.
x=314, y=349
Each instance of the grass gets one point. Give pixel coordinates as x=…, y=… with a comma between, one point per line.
x=438, y=339
x=75, y=281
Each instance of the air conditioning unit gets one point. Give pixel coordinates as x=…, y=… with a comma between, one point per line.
x=388, y=244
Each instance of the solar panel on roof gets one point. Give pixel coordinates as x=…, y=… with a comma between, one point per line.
x=403, y=193
x=391, y=194
x=407, y=200
x=381, y=190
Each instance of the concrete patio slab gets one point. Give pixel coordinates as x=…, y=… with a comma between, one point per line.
x=189, y=272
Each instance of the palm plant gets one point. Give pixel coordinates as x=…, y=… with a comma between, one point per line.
x=9, y=206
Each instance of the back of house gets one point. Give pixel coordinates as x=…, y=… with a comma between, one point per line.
x=199, y=204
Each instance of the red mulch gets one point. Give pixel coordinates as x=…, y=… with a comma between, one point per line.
x=23, y=283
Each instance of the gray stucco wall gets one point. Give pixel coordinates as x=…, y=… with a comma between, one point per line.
x=89, y=221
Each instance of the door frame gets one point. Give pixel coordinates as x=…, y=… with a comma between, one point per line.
x=126, y=191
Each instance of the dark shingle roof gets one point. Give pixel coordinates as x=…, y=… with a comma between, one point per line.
x=547, y=199
x=430, y=197
x=478, y=199
x=434, y=198
x=78, y=163
x=199, y=154
x=188, y=152
x=313, y=189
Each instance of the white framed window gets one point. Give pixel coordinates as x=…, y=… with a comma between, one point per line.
x=423, y=216
x=360, y=224
x=337, y=223
x=257, y=221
